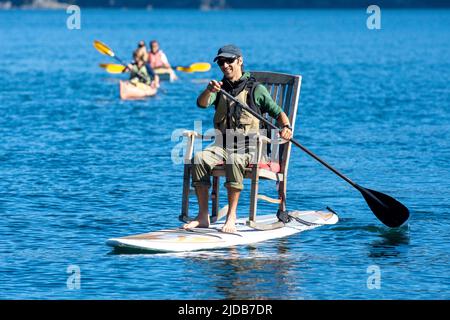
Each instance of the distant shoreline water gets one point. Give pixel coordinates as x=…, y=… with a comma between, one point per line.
x=309, y=9
x=204, y=5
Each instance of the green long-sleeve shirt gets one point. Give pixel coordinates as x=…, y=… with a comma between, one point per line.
x=261, y=96
x=140, y=74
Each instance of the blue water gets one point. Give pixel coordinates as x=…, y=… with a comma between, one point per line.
x=78, y=166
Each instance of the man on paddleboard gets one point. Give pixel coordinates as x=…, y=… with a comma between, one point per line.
x=231, y=123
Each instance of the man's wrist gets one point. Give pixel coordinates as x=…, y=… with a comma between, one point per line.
x=287, y=126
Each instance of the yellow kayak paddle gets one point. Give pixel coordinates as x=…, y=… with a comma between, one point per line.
x=115, y=68
x=195, y=67
x=112, y=68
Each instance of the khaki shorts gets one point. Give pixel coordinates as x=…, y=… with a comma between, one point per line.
x=235, y=164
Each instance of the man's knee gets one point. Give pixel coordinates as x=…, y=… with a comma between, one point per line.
x=234, y=186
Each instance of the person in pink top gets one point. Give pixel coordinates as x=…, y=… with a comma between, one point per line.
x=158, y=59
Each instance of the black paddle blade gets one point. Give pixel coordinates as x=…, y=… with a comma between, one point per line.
x=388, y=210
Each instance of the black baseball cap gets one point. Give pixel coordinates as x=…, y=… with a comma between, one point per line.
x=228, y=51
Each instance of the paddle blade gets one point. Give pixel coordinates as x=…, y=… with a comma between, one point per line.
x=388, y=210
x=113, y=68
x=200, y=67
x=184, y=69
x=103, y=48
x=196, y=67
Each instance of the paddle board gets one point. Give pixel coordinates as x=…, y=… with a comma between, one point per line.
x=180, y=240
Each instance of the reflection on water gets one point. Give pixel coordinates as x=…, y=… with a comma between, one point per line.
x=393, y=243
x=244, y=272
x=250, y=273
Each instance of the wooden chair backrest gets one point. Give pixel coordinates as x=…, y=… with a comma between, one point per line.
x=285, y=91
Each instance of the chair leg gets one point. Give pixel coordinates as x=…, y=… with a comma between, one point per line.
x=252, y=223
x=215, y=198
x=185, y=197
x=254, y=195
x=282, y=195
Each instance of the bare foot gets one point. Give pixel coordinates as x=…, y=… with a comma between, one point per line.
x=229, y=226
x=198, y=222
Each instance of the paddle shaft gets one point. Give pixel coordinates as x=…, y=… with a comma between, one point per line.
x=120, y=60
x=293, y=141
x=387, y=209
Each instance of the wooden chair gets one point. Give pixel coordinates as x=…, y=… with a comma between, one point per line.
x=285, y=91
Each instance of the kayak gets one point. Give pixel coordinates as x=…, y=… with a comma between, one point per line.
x=129, y=91
x=180, y=240
x=165, y=74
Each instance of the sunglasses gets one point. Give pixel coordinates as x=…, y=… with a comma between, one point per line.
x=222, y=61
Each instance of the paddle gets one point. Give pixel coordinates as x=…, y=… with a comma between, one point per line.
x=388, y=210
x=104, y=49
x=195, y=67
x=112, y=68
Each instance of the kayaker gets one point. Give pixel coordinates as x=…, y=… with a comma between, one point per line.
x=140, y=73
x=230, y=121
x=141, y=50
x=158, y=59
x=142, y=54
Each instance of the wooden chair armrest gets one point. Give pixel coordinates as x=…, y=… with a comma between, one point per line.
x=191, y=135
x=194, y=134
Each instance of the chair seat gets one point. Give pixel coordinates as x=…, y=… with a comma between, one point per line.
x=268, y=170
x=270, y=166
